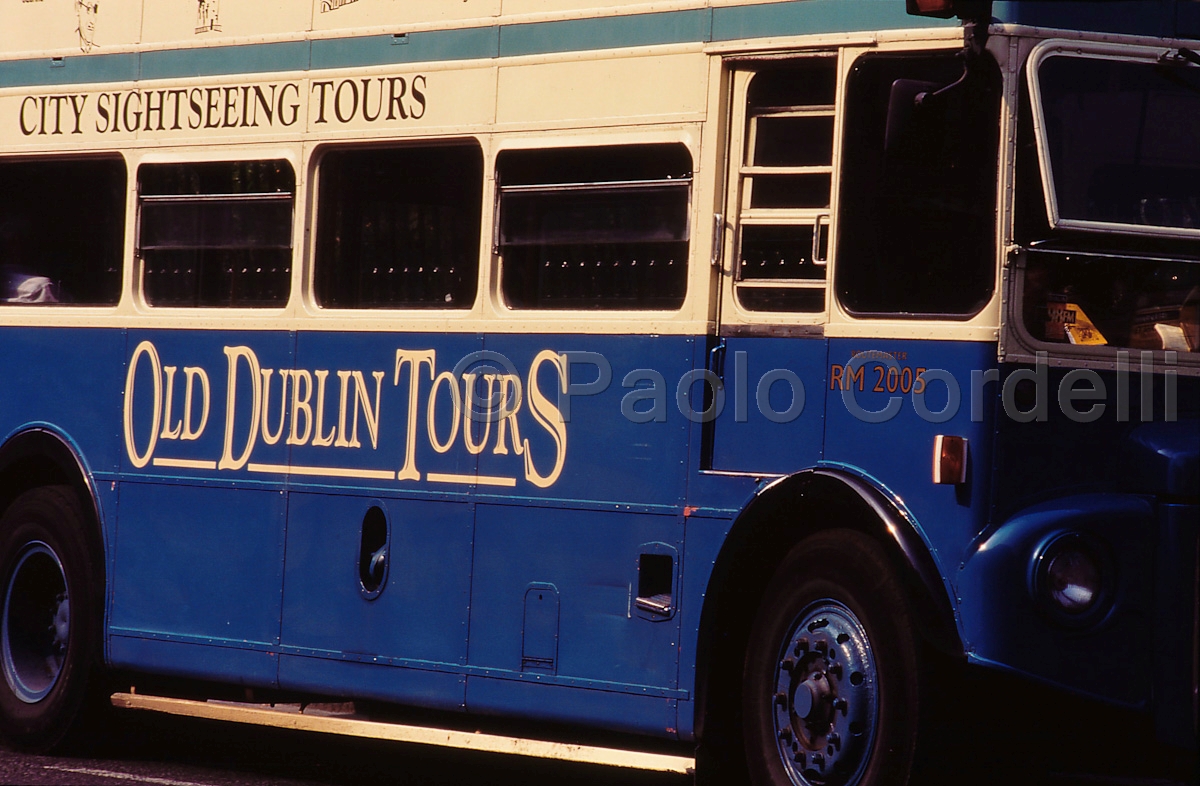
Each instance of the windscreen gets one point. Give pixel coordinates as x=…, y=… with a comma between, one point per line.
x=1120, y=141
x=1115, y=259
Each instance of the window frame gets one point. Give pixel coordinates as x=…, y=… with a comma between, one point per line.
x=311, y=303
x=250, y=154
x=67, y=307
x=735, y=318
x=1085, y=50
x=532, y=146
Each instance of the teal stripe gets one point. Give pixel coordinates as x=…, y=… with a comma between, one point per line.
x=467, y=44
x=249, y=59
x=674, y=27
x=805, y=17
x=69, y=70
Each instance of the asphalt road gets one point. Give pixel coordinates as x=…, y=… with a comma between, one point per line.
x=161, y=750
x=173, y=751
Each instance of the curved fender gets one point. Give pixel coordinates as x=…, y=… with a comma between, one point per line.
x=737, y=578
x=903, y=534
x=39, y=454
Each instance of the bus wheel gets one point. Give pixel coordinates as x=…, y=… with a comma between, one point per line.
x=832, y=676
x=50, y=617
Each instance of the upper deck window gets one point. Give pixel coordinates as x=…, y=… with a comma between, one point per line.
x=216, y=234
x=1118, y=142
x=62, y=228
x=399, y=227
x=594, y=228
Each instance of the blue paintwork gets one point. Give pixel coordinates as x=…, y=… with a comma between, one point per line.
x=1006, y=626
x=194, y=543
x=744, y=439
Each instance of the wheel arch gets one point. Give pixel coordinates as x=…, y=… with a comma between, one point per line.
x=41, y=456
x=779, y=516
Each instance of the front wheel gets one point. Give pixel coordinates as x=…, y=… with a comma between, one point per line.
x=50, y=617
x=832, y=685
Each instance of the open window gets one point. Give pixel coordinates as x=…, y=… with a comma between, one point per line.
x=62, y=231
x=216, y=234
x=784, y=184
x=594, y=228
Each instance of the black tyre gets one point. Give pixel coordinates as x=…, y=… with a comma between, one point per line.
x=50, y=617
x=832, y=686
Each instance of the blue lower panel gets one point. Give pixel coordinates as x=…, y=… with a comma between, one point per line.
x=254, y=668
x=628, y=712
x=382, y=682
x=205, y=562
x=590, y=560
x=421, y=612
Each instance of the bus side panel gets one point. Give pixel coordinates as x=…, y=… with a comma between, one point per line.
x=949, y=516
x=202, y=507
x=605, y=456
x=703, y=539
x=589, y=561
x=418, y=619
x=773, y=419
x=63, y=377
x=374, y=451
x=594, y=519
x=198, y=565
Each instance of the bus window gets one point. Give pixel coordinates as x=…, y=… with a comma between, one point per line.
x=917, y=206
x=216, y=234
x=594, y=228
x=399, y=228
x=62, y=225
x=785, y=187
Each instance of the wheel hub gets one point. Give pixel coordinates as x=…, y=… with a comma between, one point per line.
x=826, y=696
x=36, y=623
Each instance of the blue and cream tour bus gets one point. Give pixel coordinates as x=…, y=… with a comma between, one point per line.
x=719, y=372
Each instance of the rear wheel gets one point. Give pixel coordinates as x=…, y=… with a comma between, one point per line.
x=833, y=686
x=49, y=618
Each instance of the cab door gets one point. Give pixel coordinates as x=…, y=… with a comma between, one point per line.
x=770, y=350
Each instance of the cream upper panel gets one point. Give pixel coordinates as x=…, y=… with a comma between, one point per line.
x=202, y=21
x=356, y=14
x=604, y=90
x=364, y=103
x=69, y=26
